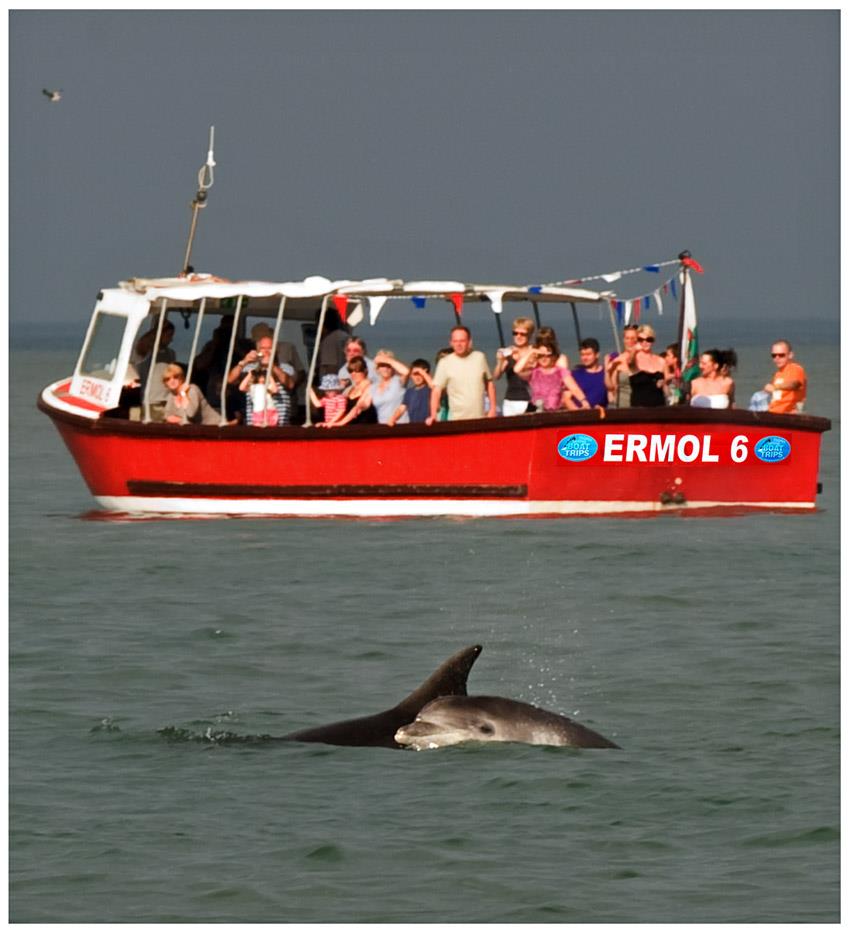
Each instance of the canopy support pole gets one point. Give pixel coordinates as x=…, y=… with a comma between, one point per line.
x=154, y=353
x=614, y=329
x=277, y=325
x=229, y=364
x=536, y=314
x=195, y=336
x=499, y=329
x=308, y=420
x=575, y=322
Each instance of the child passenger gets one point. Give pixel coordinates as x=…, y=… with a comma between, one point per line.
x=332, y=401
x=416, y=401
x=260, y=403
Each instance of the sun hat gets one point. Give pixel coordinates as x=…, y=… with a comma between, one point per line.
x=330, y=382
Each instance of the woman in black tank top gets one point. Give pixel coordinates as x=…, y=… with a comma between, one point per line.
x=359, y=407
x=517, y=394
x=646, y=371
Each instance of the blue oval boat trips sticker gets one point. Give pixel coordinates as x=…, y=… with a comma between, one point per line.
x=577, y=447
x=772, y=449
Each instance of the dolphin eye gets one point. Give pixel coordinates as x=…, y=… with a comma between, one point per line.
x=486, y=729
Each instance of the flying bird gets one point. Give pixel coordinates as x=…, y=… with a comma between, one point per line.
x=53, y=96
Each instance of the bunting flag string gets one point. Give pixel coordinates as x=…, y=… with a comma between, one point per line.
x=628, y=310
x=614, y=276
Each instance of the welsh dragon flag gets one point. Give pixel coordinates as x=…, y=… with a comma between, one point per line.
x=689, y=349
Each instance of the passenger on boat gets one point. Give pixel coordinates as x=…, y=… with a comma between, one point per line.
x=283, y=376
x=356, y=346
x=144, y=345
x=153, y=370
x=617, y=370
x=388, y=391
x=517, y=400
x=186, y=403
x=285, y=352
x=210, y=368
x=547, y=335
x=416, y=403
x=787, y=388
x=673, y=390
x=552, y=386
x=711, y=389
x=331, y=400
x=646, y=371
x=360, y=409
x=332, y=343
x=465, y=376
x=261, y=392
x=590, y=376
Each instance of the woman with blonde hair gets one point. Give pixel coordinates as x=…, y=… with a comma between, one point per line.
x=646, y=371
x=185, y=403
x=517, y=400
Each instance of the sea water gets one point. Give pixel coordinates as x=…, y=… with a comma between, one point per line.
x=708, y=648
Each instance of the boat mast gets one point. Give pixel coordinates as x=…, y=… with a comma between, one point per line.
x=205, y=182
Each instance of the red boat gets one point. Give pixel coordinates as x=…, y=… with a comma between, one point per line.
x=619, y=461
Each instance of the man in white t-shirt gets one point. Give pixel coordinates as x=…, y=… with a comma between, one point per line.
x=465, y=376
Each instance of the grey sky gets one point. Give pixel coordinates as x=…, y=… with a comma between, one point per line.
x=516, y=147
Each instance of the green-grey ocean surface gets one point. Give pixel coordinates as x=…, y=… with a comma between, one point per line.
x=707, y=648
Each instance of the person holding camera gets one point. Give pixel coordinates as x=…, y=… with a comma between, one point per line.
x=517, y=400
x=280, y=376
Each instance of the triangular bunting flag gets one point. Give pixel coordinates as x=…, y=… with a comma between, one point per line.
x=341, y=304
x=495, y=299
x=376, y=303
x=356, y=316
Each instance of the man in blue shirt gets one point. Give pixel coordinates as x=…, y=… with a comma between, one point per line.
x=590, y=376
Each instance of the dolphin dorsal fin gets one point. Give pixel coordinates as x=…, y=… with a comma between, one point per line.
x=448, y=680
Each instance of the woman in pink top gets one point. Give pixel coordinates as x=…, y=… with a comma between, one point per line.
x=552, y=386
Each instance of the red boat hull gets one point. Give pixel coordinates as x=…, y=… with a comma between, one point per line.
x=628, y=461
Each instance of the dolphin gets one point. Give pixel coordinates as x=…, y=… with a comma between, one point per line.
x=448, y=680
x=450, y=720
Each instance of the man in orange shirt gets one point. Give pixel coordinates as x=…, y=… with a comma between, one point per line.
x=788, y=387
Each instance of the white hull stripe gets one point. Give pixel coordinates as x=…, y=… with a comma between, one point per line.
x=406, y=508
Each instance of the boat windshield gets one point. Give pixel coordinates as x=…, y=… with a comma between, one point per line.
x=104, y=344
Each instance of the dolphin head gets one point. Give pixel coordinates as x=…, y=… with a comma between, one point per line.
x=450, y=720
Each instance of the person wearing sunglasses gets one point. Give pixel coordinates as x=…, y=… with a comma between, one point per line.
x=646, y=371
x=787, y=388
x=552, y=386
x=517, y=400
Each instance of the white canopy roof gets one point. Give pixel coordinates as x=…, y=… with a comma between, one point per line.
x=309, y=293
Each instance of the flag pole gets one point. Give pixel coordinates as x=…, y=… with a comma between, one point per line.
x=685, y=254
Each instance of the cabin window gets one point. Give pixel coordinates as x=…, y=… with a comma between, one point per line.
x=103, y=347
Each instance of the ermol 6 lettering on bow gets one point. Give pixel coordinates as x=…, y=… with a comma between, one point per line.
x=672, y=448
